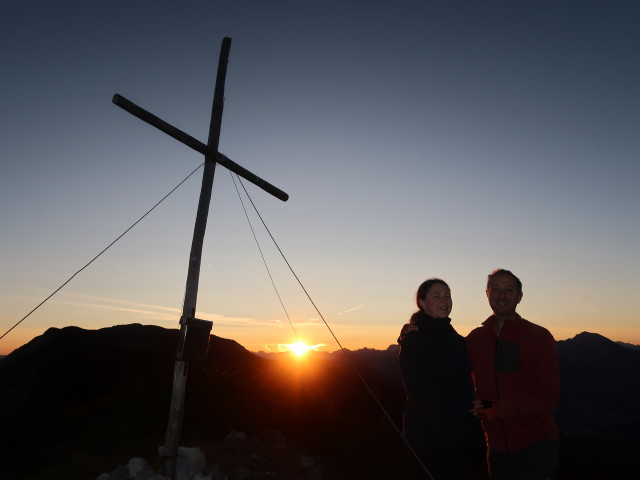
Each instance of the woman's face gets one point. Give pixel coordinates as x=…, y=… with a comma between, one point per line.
x=437, y=302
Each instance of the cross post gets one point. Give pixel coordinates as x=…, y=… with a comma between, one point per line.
x=188, y=322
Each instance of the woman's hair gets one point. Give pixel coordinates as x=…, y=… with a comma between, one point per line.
x=424, y=288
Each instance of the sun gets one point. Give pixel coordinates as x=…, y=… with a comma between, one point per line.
x=299, y=348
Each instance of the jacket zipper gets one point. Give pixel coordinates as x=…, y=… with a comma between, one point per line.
x=495, y=371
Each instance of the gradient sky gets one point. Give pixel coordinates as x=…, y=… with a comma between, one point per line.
x=415, y=139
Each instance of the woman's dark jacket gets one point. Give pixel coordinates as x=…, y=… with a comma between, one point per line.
x=437, y=381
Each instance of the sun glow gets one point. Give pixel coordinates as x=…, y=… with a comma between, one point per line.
x=299, y=348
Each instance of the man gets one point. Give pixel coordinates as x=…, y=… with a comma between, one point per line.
x=514, y=364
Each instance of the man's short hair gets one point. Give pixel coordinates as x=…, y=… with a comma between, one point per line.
x=503, y=271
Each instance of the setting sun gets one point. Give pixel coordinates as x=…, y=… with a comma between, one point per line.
x=299, y=348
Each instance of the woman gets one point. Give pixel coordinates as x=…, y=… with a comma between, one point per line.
x=439, y=389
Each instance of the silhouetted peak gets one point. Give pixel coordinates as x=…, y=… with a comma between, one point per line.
x=592, y=335
x=593, y=349
x=76, y=344
x=587, y=341
x=126, y=333
x=592, y=339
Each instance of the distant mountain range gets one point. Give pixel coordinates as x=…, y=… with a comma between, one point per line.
x=629, y=345
x=75, y=403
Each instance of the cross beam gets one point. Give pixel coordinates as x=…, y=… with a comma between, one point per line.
x=188, y=320
x=198, y=146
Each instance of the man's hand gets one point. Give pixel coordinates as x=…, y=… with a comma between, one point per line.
x=485, y=410
x=406, y=329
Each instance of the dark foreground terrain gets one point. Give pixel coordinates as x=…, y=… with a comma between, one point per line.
x=76, y=403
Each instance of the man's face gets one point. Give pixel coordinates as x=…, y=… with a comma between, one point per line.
x=437, y=301
x=503, y=294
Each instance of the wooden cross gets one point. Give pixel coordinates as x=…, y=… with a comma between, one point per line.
x=188, y=320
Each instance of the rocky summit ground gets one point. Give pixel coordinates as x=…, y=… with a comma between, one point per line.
x=237, y=457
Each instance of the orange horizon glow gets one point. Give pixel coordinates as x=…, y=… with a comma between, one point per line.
x=378, y=338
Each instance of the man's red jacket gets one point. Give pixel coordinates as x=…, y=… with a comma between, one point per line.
x=519, y=370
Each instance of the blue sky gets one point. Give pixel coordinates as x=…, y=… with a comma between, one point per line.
x=415, y=139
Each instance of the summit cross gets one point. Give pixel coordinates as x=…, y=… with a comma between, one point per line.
x=194, y=333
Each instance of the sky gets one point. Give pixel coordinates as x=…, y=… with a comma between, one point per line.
x=415, y=139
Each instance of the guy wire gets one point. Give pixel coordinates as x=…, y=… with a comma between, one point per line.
x=342, y=349
x=261, y=254
x=103, y=251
